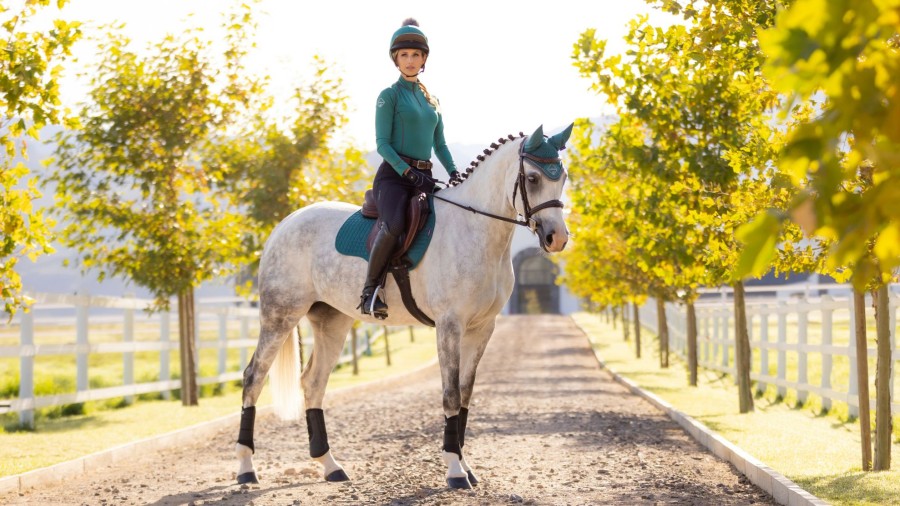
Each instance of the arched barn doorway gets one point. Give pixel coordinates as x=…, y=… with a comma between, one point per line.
x=535, y=290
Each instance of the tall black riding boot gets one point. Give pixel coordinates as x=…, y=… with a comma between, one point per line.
x=382, y=248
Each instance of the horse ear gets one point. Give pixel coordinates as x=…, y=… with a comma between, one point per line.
x=559, y=140
x=535, y=140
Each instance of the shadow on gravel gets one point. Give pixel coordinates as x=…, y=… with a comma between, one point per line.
x=595, y=393
x=558, y=352
x=586, y=428
x=514, y=376
x=227, y=494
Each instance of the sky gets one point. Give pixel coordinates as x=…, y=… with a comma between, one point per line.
x=497, y=67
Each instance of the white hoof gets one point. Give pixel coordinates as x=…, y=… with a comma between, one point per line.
x=465, y=465
x=245, y=473
x=332, y=471
x=454, y=466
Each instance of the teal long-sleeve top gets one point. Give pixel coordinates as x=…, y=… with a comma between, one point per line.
x=406, y=124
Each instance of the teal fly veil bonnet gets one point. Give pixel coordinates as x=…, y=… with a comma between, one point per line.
x=545, y=152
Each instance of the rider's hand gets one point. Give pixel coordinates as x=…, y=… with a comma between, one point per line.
x=422, y=181
x=455, y=179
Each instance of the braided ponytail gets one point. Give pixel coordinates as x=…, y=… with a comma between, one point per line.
x=431, y=100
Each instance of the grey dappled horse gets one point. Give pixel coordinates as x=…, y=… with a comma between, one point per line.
x=462, y=283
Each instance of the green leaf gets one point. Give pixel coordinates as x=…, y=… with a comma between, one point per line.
x=759, y=237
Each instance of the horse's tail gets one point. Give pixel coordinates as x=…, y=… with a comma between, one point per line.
x=284, y=378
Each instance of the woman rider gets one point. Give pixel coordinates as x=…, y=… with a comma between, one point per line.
x=408, y=126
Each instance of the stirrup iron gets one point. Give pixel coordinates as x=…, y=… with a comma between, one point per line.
x=367, y=304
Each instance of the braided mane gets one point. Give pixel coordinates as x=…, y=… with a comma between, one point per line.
x=487, y=152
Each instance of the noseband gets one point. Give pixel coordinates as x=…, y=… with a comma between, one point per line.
x=528, y=222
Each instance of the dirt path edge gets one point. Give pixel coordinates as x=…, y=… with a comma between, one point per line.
x=89, y=463
x=782, y=489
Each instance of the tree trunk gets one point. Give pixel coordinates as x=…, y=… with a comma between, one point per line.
x=692, y=344
x=625, y=321
x=187, y=348
x=742, y=350
x=637, y=330
x=663, y=331
x=883, y=421
x=862, y=377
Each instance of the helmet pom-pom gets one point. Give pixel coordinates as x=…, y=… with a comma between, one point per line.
x=410, y=22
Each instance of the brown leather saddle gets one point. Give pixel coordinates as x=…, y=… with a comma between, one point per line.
x=416, y=217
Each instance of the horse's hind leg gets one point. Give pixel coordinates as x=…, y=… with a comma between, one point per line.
x=330, y=329
x=276, y=325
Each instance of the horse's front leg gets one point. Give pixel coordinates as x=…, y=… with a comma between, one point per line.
x=449, y=335
x=472, y=348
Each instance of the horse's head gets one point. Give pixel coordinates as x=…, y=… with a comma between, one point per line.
x=540, y=186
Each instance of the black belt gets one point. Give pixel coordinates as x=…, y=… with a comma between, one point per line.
x=418, y=164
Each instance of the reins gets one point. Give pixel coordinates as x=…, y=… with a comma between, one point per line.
x=528, y=222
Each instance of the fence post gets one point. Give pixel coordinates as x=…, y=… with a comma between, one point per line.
x=81, y=340
x=706, y=319
x=826, y=355
x=802, y=339
x=128, y=356
x=223, y=343
x=353, y=343
x=782, y=358
x=387, y=346
x=26, y=368
x=164, y=353
x=197, y=341
x=245, y=334
x=892, y=313
x=853, y=388
x=763, y=347
x=725, y=338
x=717, y=336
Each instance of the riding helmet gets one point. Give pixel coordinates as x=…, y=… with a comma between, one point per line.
x=408, y=36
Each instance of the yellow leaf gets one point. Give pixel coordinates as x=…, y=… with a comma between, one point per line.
x=887, y=246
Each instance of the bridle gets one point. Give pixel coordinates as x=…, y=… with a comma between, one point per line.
x=528, y=222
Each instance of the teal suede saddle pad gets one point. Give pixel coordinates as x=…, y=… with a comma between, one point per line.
x=351, y=238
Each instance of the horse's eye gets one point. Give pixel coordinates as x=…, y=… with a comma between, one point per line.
x=532, y=178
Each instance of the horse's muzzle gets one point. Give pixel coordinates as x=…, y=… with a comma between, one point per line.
x=552, y=239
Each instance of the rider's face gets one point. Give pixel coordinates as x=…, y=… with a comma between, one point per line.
x=410, y=61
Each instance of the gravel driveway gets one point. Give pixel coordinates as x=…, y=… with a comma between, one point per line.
x=547, y=426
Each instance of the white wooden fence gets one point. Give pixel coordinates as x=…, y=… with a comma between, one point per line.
x=808, y=327
x=115, y=322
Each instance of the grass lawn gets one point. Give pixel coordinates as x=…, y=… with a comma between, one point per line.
x=821, y=453
x=65, y=438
